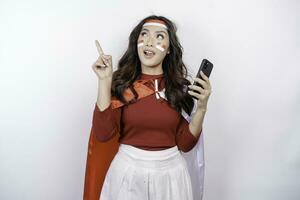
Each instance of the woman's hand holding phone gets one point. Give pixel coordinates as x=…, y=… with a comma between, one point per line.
x=201, y=88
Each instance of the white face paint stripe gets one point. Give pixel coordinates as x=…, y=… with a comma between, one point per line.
x=157, y=46
x=140, y=44
x=155, y=24
x=160, y=48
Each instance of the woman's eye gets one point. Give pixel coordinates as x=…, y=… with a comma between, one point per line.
x=161, y=36
x=143, y=33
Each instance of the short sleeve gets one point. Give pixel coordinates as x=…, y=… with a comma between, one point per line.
x=106, y=123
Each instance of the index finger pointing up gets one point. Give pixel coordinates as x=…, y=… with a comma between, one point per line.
x=100, y=51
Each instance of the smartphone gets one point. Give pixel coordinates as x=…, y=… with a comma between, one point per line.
x=206, y=67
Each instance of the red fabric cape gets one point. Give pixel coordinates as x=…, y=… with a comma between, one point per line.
x=100, y=154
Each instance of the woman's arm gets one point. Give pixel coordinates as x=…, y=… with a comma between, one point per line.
x=104, y=93
x=185, y=139
x=197, y=121
x=106, y=121
x=203, y=95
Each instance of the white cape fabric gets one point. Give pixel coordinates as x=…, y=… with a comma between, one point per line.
x=195, y=157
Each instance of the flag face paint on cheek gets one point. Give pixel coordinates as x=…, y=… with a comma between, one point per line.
x=140, y=44
x=162, y=48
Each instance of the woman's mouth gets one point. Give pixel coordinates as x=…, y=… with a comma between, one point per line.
x=149, y=53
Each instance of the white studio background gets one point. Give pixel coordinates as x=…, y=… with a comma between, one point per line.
x=48, y=91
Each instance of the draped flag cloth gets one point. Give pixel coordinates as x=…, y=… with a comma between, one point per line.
x=100, y=154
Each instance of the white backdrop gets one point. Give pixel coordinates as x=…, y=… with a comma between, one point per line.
x=48, y=91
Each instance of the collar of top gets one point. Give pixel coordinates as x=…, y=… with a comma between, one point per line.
x=156, y=77
x=150, y=76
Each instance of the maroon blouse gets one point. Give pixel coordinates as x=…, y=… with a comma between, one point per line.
x=149, y=124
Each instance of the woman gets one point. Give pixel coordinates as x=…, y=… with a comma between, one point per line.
x=143, y=101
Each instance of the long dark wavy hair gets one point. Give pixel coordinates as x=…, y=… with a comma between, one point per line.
x=175, y=72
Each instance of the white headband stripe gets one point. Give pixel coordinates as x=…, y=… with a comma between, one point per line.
x=155, y=24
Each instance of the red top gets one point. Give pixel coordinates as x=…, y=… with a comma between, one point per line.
x=149, y=123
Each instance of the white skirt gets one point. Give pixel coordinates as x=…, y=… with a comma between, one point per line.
x=137, y=174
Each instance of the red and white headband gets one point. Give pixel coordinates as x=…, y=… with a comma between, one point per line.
x=155, y=22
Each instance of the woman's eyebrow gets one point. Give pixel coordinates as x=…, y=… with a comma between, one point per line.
x=161, y=32
x=155, y=31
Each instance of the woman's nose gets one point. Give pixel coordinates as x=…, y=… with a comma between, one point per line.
x=149, y=41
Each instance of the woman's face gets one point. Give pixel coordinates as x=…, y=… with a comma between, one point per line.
x=153, y=45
